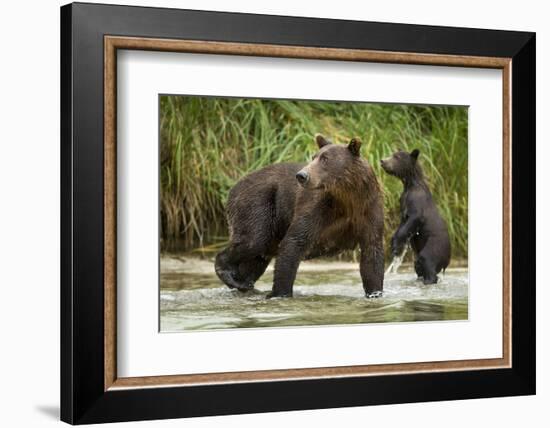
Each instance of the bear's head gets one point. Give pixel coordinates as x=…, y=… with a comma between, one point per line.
x=331, y=165
x=401, y=164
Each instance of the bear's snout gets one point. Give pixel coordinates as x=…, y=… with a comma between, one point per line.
x=302, y=177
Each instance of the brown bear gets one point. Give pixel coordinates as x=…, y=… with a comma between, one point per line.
x=295, y=211
x=421, y=222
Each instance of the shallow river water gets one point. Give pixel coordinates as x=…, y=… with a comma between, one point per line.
x=193, y=298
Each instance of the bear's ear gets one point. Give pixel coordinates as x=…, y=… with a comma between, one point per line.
x=415, y=153
x=354, y=147
x=321, y=141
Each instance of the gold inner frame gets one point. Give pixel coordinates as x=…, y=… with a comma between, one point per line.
x=112, y=43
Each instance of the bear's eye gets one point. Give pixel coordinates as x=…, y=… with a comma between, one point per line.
x=324, y=159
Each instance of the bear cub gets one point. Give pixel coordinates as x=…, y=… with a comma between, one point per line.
x=421, y=223
x=294, y=212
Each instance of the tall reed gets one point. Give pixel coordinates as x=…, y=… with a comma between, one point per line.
x=208, y=144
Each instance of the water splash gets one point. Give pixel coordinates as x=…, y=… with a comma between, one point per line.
x=324, y=294
x=396, y=262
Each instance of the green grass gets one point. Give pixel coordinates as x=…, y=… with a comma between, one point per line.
x=208, y=144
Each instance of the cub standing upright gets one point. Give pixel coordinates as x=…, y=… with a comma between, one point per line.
x=421, y=222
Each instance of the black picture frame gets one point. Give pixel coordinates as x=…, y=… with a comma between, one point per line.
x=83, y=398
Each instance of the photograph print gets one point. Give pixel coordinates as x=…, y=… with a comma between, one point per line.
x=278, y=213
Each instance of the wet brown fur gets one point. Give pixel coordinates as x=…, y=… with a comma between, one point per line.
x=271, y=215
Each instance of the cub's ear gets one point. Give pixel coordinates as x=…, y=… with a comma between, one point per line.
x=415, y=154
x=321, y=141
x=354, y=147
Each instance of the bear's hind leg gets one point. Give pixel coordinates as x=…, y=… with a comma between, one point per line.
x=418, y=269
x=250, y=271
x=227, y=271
x=252, y=223
x=430, y=278
x=428, y=269
x=240, y=265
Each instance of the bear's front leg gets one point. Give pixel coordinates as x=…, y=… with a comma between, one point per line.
x=372, y=267
x=291, y=251
x=403, y=234
x=286, y=266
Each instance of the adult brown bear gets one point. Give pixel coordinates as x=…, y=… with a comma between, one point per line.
x=296, y=211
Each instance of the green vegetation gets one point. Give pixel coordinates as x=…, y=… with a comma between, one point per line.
x=208, y=144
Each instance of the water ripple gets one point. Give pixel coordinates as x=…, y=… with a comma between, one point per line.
x=197, y=301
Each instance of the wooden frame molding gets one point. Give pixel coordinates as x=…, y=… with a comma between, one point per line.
x=113, y=43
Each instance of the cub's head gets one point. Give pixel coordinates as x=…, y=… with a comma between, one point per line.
x=401, y=164
x=331, y=164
